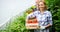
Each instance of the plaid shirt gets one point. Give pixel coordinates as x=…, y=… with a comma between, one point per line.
x=43, y=19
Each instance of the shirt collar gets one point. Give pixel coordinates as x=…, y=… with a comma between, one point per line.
x=43, y=12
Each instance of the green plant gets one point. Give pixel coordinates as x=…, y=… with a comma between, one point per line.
x=54, y=7
x=17, y=25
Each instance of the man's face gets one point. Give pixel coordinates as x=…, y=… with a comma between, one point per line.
x=37, y=2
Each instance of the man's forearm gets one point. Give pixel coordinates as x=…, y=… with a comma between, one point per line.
x=48, y=26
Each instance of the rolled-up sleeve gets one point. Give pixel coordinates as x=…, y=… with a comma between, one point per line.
x=33, y=14
x=50, y=18
x=30, y=15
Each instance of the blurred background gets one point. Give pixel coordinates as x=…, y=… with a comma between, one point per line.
x=13, y=14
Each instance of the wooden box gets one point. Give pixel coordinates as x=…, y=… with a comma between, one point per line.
x=32, y=24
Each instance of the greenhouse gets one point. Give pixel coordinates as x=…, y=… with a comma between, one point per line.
x=13, y=14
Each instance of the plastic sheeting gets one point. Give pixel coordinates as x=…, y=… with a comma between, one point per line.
x=10, y=8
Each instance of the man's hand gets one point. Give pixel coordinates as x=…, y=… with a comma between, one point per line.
x=38, y=27
x=42, y=27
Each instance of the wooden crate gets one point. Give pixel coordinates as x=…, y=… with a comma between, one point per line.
x=32, y=24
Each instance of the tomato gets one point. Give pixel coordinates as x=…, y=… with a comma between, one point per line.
x=34, y=21
x=29, y=21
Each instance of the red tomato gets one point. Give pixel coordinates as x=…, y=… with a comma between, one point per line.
x=29, y=21
x=34, y=21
